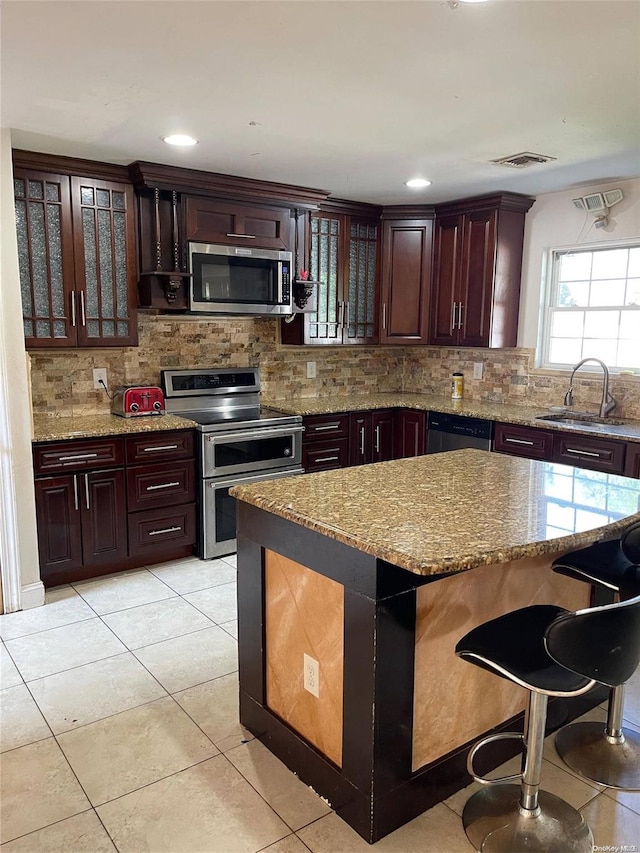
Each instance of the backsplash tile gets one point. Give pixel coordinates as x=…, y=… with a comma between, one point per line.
x=62, y=381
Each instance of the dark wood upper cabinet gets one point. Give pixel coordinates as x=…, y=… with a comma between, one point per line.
x=406, y=279
x=215, y=221
x=76, y=252
x=475, y=292
x=344, y=260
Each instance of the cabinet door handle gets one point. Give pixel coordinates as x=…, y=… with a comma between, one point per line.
x=583, y=452
x=518, y=441
x=164, y=530
x=377, y=439
x=162, y=486
x=86, y=489
x=453, y=315
x=340, y=315
x=160, y=447
x=461, y=306
x=77, y=456
x=384, y=316
x=83, y=315
x=362, y=441
x=328, y=426
x=346, y=316
x=72, y=299
x=327, y=459
x=244, y=236
x=75, y=492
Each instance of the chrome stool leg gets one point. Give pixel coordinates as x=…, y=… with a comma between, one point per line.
x=503, y=818
x=609, y=755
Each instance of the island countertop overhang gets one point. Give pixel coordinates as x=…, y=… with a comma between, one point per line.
x=450, y=512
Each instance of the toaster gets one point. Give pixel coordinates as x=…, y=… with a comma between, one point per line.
x=132, y=401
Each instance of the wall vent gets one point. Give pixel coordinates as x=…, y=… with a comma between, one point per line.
x=522, y=160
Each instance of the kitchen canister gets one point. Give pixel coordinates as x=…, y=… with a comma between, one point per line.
x=457, y=385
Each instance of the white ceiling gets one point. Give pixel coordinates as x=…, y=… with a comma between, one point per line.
x=352, y=97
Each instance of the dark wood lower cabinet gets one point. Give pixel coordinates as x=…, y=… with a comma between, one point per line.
x=92, y=522
x=632, y=467
x=82, y=524
x=410, y=433
x=371, y=437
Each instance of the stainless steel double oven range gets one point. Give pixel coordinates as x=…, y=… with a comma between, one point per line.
x=240, y=442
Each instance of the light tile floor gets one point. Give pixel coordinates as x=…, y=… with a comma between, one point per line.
x=119, y=715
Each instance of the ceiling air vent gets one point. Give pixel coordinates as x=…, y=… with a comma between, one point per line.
x=522, y=160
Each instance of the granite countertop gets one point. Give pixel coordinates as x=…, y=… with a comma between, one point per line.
x=448, y=512
x=46, y=428
x=525, y=415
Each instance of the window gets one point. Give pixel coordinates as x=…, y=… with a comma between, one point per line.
x=593, y=307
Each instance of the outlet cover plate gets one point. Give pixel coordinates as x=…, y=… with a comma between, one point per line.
x=100, y=373
x=311, y=675
x=478, y=368
x=311, y=370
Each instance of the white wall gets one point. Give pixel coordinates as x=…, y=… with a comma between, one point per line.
x=21, y=585
x=554, y=221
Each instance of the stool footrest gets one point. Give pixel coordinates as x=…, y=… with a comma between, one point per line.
x=482, y=780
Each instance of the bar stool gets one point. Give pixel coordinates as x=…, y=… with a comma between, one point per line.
x=609, y=755
x=551, y=652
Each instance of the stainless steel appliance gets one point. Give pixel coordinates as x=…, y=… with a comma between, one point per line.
x=240, y=442
x=239, y=280
x=454, y=432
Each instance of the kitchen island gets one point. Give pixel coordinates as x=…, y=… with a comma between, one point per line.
x=354, y=586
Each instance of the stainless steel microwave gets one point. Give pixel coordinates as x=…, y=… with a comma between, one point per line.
x=239, y=280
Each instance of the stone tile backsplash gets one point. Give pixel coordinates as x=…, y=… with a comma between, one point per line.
x=62, y=381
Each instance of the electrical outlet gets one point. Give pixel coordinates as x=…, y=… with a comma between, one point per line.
x=478, y=367
x=311, y=676
x=100, y=375
x=311, y=370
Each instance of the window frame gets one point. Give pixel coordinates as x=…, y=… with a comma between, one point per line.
x=547, y=291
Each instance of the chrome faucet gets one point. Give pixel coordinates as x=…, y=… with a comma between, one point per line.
x=608, y=402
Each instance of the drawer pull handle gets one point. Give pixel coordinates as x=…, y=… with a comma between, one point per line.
x=327, y=459
x=583, y=452
x=518, y=441
x=328, y=426
x=162, y=486
x=164, y=530
x=163, y=447
x=78, y=456
x=245, y=236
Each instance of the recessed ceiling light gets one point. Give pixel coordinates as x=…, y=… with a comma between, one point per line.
x=417, y=183
x=180, y=139
x=473, y=1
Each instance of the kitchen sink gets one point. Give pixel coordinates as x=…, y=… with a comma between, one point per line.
x=578, y=419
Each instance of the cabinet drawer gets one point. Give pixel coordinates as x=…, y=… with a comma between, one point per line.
x=159, y=446
x=325, y=455
x=523, y=441
x=157, y=530
x=166, y=484
x=50, y=457
x=598, y=454
x=321, y=427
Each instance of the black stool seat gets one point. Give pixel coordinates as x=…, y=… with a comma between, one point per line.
x=608, y=754
x=513, y=646
x=552, y=652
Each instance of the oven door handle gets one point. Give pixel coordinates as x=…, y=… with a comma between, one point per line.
x=246, y=479
x=250, y=435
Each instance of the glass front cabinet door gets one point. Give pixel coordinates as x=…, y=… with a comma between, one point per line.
x=76, y=255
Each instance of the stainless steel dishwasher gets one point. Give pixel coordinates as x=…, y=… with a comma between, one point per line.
x=454, y=432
